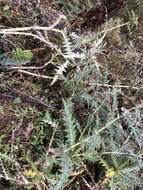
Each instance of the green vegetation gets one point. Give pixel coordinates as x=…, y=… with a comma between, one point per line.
x=71, y=103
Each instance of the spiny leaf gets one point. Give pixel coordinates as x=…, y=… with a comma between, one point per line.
x=20, y=54
x=65, y=171
x=16, y=57
x=69, y=122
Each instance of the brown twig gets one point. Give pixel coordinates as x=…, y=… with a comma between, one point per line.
x=30, y=98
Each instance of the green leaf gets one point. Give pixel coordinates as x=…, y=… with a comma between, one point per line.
x=70, y=122
x=64, y=174
x=20, y=54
